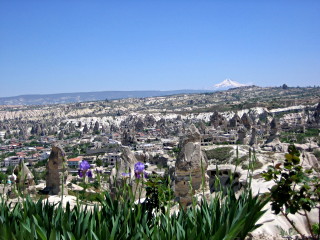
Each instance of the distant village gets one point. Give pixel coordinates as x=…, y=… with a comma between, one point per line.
x=153, y=140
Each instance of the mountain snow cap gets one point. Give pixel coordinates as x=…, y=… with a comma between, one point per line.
x=228, y=83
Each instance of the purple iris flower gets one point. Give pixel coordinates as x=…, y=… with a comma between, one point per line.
x=89, y=174
x=139, y=167
x=84, y=165
x=83, y=171
x=146, y=175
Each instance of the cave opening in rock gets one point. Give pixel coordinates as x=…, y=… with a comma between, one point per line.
x=227, y=178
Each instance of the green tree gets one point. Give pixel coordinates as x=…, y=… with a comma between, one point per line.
x=296, y=190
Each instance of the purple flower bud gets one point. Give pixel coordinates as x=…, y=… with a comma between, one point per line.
x=80, y=173
x=146, y=175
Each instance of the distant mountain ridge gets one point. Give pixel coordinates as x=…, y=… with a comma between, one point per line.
x=228, y=83
x=43, y=99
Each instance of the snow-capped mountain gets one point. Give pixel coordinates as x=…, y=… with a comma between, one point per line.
x=228, y=83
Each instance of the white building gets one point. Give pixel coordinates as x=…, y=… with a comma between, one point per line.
x=111, y=159
x=2, y=135
x=148, y=147
x=12, y=161
x=44, y=156
x=74, y=162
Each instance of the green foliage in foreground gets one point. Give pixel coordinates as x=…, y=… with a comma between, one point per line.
x=296, y=190
x=225, y=217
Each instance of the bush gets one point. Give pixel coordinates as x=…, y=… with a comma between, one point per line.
x=221, y=154
x=297, y=190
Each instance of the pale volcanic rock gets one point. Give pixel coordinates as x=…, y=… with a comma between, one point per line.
x=56, y=171
x=246, y=121
x=276, y=146
x=126, y=165
x=190, y=166
x=310, y=160
x=217, y=119
x=235, y=121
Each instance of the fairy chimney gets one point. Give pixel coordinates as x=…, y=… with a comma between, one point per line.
x=56, y=171
x=191, y=166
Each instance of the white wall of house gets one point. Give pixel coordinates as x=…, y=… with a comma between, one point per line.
x=12, y=161
x=44, y=156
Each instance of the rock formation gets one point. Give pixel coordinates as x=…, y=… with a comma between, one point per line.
x=96, y=127
x=276, y=146
x=56, y=171
x=85, y=129
x=317, y=114
x=125, y=169
x=242, y=135
x=149, y=120
x=128, y=137
x=217, y=119
x=253, y=139
x=139, y=125
x=235, y=121
x=126, y=165
x=191, y=166
x=128, y=161
x=25, y=178
x=246, y=120
x=274, y=127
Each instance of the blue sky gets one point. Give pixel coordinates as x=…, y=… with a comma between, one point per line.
x=77, y=46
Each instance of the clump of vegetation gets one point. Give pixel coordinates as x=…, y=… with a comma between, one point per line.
x=158, y=193
x=220, y=154
x=255, y=165
x=302, y=137
x=296, y=190
x=240, y=160
x=286, y=234
x=90, y=197
x=3, y=177
x=227, y=216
